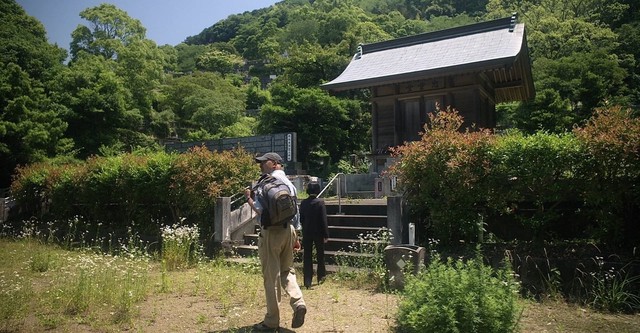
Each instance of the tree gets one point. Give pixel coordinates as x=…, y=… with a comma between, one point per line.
x=397, y=26
x=629, y=54
x=187, y=57
x=326, y=125
x=136, y=61
x=111, y=30
x=549, y=111
x=575, y=65
x=140, y=64
x=554, y=38
x=309, y=65
x=98, y=97
x=586, y=80
x=31, y=122
x=256, y=96
x=219, y=61
x=203, y=104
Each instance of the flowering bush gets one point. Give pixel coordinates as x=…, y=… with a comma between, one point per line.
x=456, y=179
x=444, y=175
x=180, y=247
x=133, y=193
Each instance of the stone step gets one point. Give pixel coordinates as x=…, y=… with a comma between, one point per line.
x=377, y=221
x=357, y=206
x=346, y=231
x=250, y=239
x=249, y=251
x=298, y=265
x=250, y=247
x=246, y=251
x=348, y=244
x=352, y=232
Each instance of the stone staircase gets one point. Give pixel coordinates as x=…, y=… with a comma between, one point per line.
x=348, y=221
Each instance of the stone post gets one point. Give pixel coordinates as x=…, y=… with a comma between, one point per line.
x=221, y=219
x=395, y=220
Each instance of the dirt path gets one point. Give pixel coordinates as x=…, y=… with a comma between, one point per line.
x=329, y=310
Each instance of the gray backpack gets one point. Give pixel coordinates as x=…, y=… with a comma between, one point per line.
x=278, y=203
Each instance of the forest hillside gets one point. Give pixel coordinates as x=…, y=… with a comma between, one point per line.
x=259, y=72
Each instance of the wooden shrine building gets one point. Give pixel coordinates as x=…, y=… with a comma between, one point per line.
x=470, y=68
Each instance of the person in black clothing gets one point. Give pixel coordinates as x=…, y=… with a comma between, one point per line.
x=315, y=232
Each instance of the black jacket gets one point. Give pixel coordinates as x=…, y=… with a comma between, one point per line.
x=313, y=216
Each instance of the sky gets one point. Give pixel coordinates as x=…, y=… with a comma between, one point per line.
x=167, y=21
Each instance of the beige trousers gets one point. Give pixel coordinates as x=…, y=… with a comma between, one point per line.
x=275, y=249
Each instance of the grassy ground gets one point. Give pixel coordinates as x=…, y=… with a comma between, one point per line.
x=45, y=288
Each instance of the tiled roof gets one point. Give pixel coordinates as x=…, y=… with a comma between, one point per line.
x=482, y=47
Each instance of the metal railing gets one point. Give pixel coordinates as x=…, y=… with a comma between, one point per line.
x=338, y=190
x=237, y=200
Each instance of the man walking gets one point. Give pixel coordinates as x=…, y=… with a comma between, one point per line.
x=275, y=249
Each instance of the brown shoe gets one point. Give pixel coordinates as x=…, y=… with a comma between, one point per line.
x=298, y=316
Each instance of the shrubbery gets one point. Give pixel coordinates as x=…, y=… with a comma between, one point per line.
x=458, y=296
x=134, y=193
x=455, y=180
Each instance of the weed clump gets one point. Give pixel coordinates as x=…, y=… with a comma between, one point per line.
x=459, y=296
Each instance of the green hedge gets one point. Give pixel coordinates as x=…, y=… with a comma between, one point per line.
x=458, y=181
x=134, y=193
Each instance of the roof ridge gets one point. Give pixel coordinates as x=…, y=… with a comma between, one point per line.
x=507, y=22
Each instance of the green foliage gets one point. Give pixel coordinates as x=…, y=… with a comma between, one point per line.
x=576, y=64
x=367, y=257
x=98, y=101
x=612, y=140
x=322, y=122
x=256, y=96
x=586, y=80
x=187, y=55
x=219, y=61
x=612, y=289
x=444, y=176
x=203, y=103
x=547, y=112
x=454, y=180
x=32, y=123
x=357, y=165
x=459, y=296
x=131, y=194
x=583, y=53
x=112, y=29
x=539, y=171
x=309, y=65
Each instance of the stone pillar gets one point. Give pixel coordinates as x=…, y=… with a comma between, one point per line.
x=394, y=219
x=221, y=223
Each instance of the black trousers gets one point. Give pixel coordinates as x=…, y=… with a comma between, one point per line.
x=307, y=269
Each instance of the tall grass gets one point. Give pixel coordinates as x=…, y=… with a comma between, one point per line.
x=180, y=248
x=611, y=289
x=59, y=283
x=44, y=286
x=363, y=262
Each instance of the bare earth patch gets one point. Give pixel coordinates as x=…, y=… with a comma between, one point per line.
x=331, y=308
x=334, y=308
x=552, y=317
